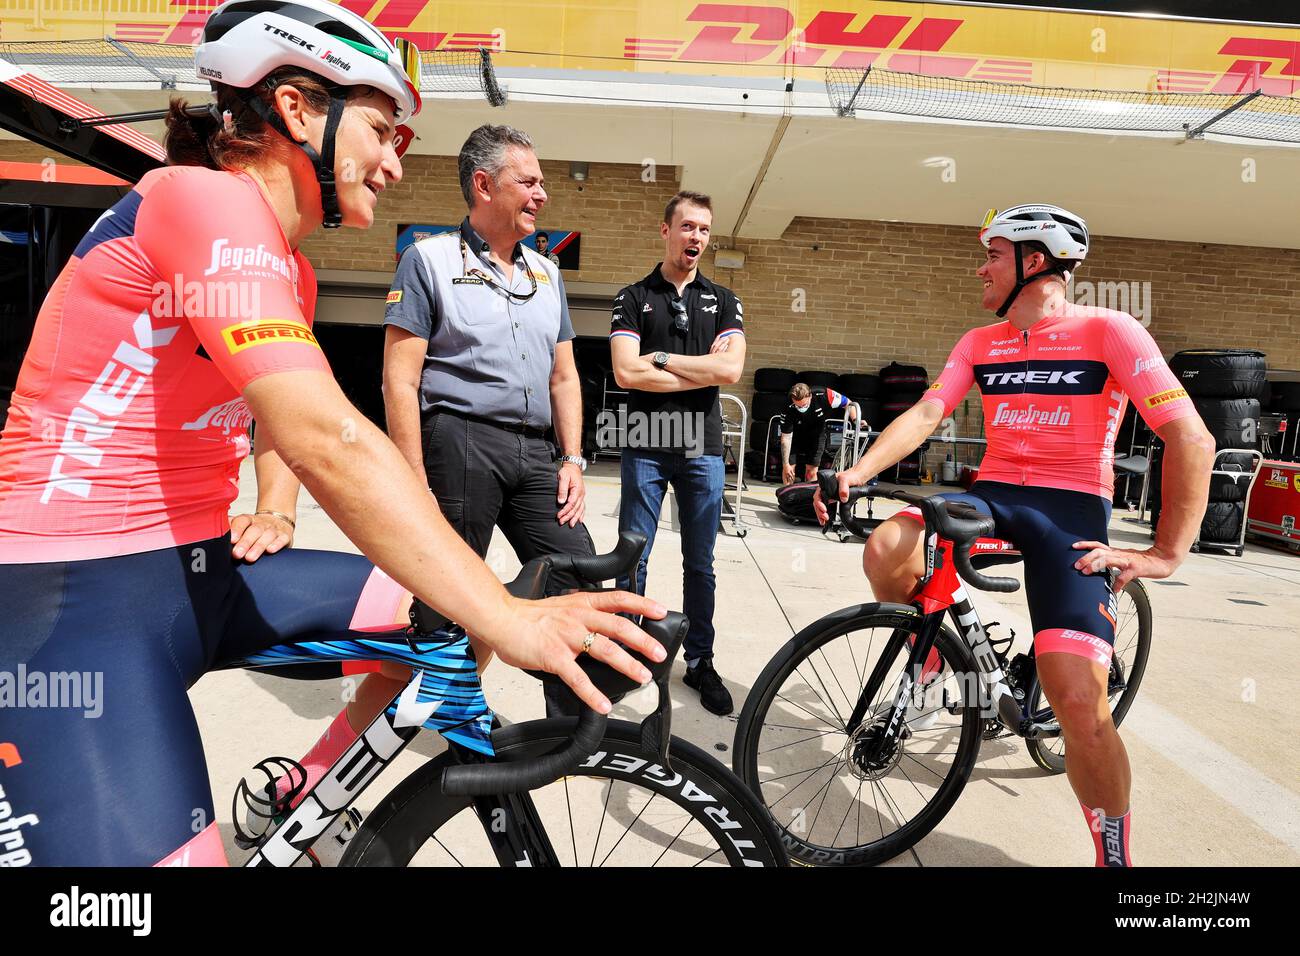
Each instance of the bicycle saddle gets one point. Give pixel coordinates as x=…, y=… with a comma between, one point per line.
x=1132, y=464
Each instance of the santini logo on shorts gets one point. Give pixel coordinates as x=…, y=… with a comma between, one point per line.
x=248, y=334
x=1165, y=397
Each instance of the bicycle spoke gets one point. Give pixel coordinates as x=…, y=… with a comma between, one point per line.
x=707, y=858
x=628, y=828
x=609, y=791
x=573, y=831
x=672, y=841
x=789, y=793
x=923, y=766
x=847, y=698
x=829, y=705
x=841, y=726
x=446, y=850
x=825, y=791
x=766, y=725
x=793, y=743
x=792, y=773
x=862, y=679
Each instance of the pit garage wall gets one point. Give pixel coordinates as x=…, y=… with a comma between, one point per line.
x=872, y=292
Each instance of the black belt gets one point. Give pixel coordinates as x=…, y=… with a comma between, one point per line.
x=518, y=428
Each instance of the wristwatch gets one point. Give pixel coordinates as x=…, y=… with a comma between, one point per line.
x=575, y=460
x=660, y=360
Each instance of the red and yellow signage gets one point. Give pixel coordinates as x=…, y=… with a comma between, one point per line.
x=787, y=38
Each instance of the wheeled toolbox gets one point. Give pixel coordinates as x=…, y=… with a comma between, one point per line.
x=1274, y=508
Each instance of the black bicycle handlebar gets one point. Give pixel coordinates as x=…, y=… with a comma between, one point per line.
x=481, y=779
x=954, y=520
x=620, y=562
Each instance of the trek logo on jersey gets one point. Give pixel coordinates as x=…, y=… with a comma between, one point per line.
x=1141, y=365
x=1031, y=417
x=248, y=334
x=102, y=406
x=1042, y=377
x=394, y=297
x=1165, y=397
x=226, y=257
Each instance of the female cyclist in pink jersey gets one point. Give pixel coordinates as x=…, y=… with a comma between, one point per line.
x=1054, y=380
x=184, y=314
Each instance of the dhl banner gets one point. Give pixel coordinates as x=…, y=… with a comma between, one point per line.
x=789, y=39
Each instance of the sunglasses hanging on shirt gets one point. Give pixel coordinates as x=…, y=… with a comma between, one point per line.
x=519, y=298
x=681, y=318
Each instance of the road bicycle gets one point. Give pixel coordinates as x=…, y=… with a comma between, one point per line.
x=586, y=791
x=861, y=732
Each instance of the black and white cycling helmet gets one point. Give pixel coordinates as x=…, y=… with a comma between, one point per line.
x=1061, y=232
x=245, y=40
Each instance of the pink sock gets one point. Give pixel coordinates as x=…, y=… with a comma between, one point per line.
x=338, y=738
x=1109, y=836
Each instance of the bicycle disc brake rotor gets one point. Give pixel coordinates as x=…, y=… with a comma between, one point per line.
x=868, y=756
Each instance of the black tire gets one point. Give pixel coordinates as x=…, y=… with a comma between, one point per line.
x=1222, y=522
x=1234, y=422
x=1133, y=626
x=758, y=436
x=1229, y=488
x=1284, y=397
x=1241, y=462
x=909, y=379
x=818, y=379
x=773, y=712
x=417, y=812
x=859, y=386
x=872, y=412
x=774, y=380
x=891, y=407
x=766, y=404
x=1220, y=373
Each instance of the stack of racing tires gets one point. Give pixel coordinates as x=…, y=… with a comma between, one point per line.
x=901, y=387
x=771, y=396
x=1226, y=385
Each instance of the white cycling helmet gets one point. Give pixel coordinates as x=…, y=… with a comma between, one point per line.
x=1063, y=234
x=245, y=40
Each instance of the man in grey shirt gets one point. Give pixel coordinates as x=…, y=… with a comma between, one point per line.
x=478, y=364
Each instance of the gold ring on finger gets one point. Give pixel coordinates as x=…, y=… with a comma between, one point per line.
x=587, y=642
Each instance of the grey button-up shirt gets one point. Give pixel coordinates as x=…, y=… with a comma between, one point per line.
x=488, y=356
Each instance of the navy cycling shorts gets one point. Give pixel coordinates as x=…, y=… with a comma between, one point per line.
x=105, y=765
x=1070, y=611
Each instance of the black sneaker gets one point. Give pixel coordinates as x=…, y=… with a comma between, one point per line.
x=713, y=694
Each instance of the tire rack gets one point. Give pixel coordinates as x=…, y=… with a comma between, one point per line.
x=730, y=435
x=1245, y=502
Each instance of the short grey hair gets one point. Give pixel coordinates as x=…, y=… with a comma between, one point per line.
x=486, y=150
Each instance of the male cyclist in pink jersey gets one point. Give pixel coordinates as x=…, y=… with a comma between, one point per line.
x=1054, y=380
x=184, y=313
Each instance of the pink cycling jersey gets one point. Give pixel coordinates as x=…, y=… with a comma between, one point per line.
x=127, y=428
x=1054, y=396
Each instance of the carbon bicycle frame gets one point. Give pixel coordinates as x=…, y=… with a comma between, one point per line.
x=942, y=591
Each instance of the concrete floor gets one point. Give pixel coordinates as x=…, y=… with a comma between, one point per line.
x=1212, y=736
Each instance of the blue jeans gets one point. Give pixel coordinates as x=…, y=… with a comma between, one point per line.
x=698, y=484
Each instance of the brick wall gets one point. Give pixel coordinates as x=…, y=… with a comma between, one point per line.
x=872, y=292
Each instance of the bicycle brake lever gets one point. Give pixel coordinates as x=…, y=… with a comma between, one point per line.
x=657, y=728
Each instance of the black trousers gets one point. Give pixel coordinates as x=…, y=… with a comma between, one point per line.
x=484, y=477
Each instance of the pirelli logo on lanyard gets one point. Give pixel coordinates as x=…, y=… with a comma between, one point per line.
x=1164, y=398
x=248, y=334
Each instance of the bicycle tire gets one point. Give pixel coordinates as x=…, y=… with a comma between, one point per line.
x=1049, y=753
x=417, y=811
x=759, y=706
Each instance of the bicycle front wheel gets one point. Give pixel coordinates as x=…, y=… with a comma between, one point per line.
x=1127, y=665
x=840, y=797
x=621, y=808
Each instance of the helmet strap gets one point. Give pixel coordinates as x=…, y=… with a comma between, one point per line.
x=1022, y=281
x=323, y=162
